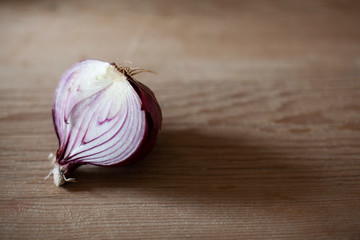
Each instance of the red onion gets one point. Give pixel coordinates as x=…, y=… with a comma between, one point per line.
x=102, y=116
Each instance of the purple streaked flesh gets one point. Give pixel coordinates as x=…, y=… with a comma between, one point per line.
x=102, y=116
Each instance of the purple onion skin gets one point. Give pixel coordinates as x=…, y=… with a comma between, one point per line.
x=153, y=121
x=153, y=116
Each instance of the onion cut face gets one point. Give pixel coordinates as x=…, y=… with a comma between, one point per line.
x=102, y=116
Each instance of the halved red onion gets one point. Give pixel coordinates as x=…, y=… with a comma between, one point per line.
x=102, y=116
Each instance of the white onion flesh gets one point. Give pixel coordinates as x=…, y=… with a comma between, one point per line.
x=99, y=116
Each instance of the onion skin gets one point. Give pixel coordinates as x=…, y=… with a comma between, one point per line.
x=64, y=165
x=153, y=117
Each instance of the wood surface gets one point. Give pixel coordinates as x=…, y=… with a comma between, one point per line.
x=261, y=107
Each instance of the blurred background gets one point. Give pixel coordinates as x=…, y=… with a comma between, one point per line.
x=261, y=111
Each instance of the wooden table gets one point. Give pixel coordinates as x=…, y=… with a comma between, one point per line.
x=261, y=107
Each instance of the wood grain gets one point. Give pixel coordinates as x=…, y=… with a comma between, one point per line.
x=261, y=136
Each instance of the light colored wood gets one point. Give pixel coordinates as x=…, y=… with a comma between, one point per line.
x=261, y=120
